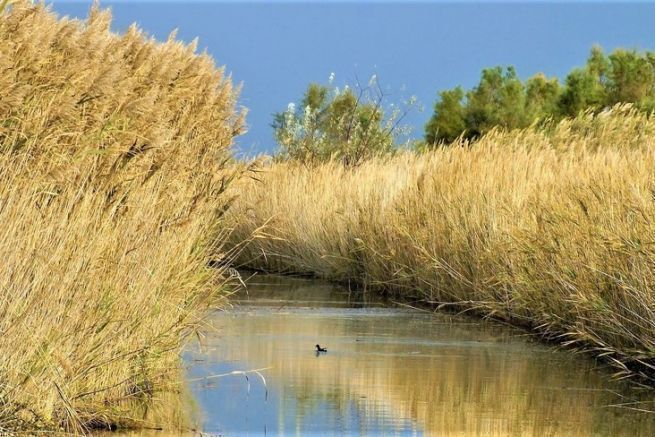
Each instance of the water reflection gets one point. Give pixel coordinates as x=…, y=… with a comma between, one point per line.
x=391, y=370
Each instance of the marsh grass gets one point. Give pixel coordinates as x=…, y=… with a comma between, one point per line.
x=552, y=229
x=114, y=162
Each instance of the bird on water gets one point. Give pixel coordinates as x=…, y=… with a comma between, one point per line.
x=320, y=349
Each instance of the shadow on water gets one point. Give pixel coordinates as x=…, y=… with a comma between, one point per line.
x=392, y=370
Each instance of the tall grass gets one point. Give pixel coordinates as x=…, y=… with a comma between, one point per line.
x=550, y=229
x=114, y=159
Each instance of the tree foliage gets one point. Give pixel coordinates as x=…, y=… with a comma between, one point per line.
x=501, y=99
x=329, y=123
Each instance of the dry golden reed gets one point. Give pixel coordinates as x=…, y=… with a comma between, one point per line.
x=114, y=159
x=552, y=229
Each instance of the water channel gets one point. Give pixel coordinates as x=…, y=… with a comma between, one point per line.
x=392, y=370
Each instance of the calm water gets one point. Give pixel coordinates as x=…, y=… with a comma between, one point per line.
x=392, y=371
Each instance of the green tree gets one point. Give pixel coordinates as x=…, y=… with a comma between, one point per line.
x=598, y=64
x=542, y=97
x=581, y=92
x=501, y=99
x=498, y=100
x=447, y=122
x=586, y=88
x=337, y=124
x=632, y=78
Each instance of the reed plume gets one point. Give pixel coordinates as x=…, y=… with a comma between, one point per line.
x=114, y=160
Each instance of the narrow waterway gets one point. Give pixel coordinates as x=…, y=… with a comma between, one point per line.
x=392, y=370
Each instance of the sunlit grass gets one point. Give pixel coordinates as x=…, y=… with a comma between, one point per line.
x=551, y=229
x=114, y=158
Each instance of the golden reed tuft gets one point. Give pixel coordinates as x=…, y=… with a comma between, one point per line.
x=114, y=159
x=549, y=228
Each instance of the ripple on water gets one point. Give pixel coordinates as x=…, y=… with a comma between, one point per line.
x=392, y=370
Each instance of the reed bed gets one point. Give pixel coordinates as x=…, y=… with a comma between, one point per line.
x=549, y=228
x=114, y=161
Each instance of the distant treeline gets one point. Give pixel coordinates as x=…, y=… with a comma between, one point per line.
x=502, y=99
x=351, y=124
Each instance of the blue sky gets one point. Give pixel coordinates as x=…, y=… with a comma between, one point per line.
x=415, y=48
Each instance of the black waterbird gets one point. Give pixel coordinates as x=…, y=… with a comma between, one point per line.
x=320, y=349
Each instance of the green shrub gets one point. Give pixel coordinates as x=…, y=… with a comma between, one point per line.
x=347, y=125
x=501, y=99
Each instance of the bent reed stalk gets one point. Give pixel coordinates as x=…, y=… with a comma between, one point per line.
x=114, y=159
x=549, y=228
